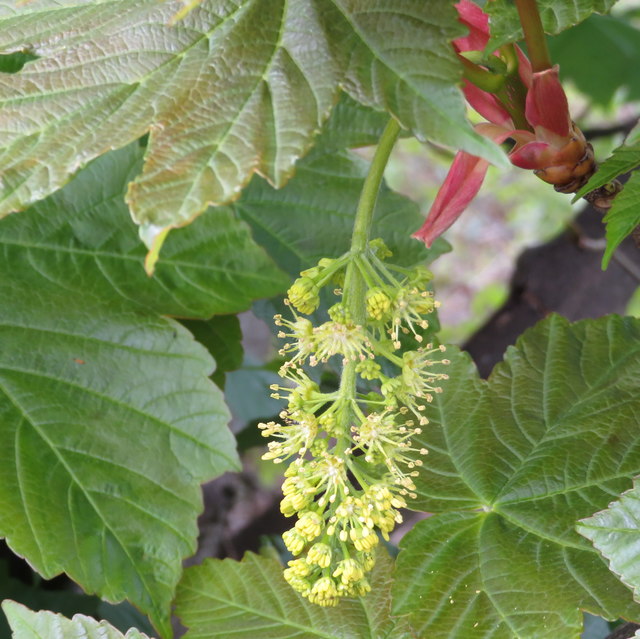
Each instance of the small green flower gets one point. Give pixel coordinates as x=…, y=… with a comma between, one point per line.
x=340, y=313
x=310, y=525
x=368, y=369
x=380, y=249
x=299, y=584
x=378, y=304
x=299, y=568
x=319, y=554
x=324, y=592
x=294, y=541
x=349, y=571
x=304, y=295
x=348, y=340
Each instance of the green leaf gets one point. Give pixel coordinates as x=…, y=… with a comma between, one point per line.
x=27, y=624
x=615, y=532
x=222, y=337
x=108, y=412
x=14, y=62
x=556, y=17
x=351, y=125
x=231, y=89
x=623, y=217
x=513, y=463
x=251, y=598
x=82, y=237
x=601, y=56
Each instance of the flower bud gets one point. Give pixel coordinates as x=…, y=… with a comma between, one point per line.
x=304, y=295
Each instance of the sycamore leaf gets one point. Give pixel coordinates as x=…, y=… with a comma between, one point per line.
x=513, y=463
x=615, y=532
x=556, y=17
x=107, y=410
x=27, y=624
x=189, y=5
x=350, y=126
x=251, y=598
x=82, y=237
x=235, y=86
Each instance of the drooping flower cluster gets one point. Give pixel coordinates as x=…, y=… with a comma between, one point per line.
x=353, y=454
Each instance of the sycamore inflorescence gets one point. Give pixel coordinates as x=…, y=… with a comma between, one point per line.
x=352, y=452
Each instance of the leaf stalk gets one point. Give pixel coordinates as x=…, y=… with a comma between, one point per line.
x=534, y=34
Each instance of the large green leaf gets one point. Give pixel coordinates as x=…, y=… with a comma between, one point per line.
x=27, y=624
x=108, y=424
x=556, y=17
x=601, y=56
x=220, y=599
x=513, y=463
x=615, y=532
x=234, y=87
x=82, y=237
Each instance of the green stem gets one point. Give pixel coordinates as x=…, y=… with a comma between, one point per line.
x=354, y=286
x=483, y=79
x=534, y=34
x=369, y=195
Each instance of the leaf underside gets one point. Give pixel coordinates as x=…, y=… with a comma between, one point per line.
x=615, y=532
x=513, y=463
x=27, y=624
x=235, y=87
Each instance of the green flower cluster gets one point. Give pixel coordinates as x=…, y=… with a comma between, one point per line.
x=353, y=458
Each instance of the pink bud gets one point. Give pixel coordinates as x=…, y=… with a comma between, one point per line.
x=486, y=105
x=477, y=21
x=461, y=185
x=547, y=109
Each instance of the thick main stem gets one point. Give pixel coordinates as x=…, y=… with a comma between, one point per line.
x=534, y=34
x=354, y=285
